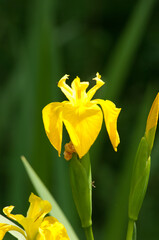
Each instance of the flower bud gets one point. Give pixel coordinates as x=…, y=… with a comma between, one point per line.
x=141, y=170
x=152, y=121
x=81, y=183
x=139, y=181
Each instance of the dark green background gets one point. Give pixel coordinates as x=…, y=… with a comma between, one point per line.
x=40, y=41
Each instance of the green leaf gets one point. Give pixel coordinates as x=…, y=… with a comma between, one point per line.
x=45, y=194
x=14, y=233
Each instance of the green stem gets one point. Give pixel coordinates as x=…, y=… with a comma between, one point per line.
x=130, y=230
x=89, y=233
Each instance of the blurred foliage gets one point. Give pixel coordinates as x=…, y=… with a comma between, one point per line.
x=40, y=41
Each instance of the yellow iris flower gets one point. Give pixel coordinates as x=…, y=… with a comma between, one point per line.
x=81, y=116
x=36, y=225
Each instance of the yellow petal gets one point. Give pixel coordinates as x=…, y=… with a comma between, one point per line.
x=4, y=228
x=153, y=115
x=26, y=223
x=17, y=217
x=110, y=116
x=99, y=83
x=65, y=88
x=36, y=213
x=53, y=124
x=51, y=229
x=79, y=86
x=83, y=124
x=38, y=207
x=79, y=91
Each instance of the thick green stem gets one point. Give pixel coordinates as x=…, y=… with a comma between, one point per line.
x=89, y=233
x=130, y=230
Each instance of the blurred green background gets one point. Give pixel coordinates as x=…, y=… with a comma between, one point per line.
x=40, y=41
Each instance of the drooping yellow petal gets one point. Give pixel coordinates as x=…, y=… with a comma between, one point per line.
x=52, y=229
x=99, y=83
x=111, y=114
x=83, y=124
x=153, y=115
x=53, y=124
x=4, y=228
x=28, y=224
x=16, y=217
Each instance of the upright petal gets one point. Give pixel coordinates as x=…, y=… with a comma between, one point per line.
x=83, y=124
x=79, y=91
x=65, y=88
x=38, y=207
x=99, y=84
x=110, y=116
x=35, y=215
x=53, y=124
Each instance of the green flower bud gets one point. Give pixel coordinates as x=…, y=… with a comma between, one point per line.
x=81, y=183
x=141, y=170
x=139, y=181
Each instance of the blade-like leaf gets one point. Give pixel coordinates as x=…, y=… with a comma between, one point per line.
x=45, y=194
x=16, y=234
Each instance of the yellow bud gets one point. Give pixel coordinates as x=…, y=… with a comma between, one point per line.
x=152, y=123
x=153, y=115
